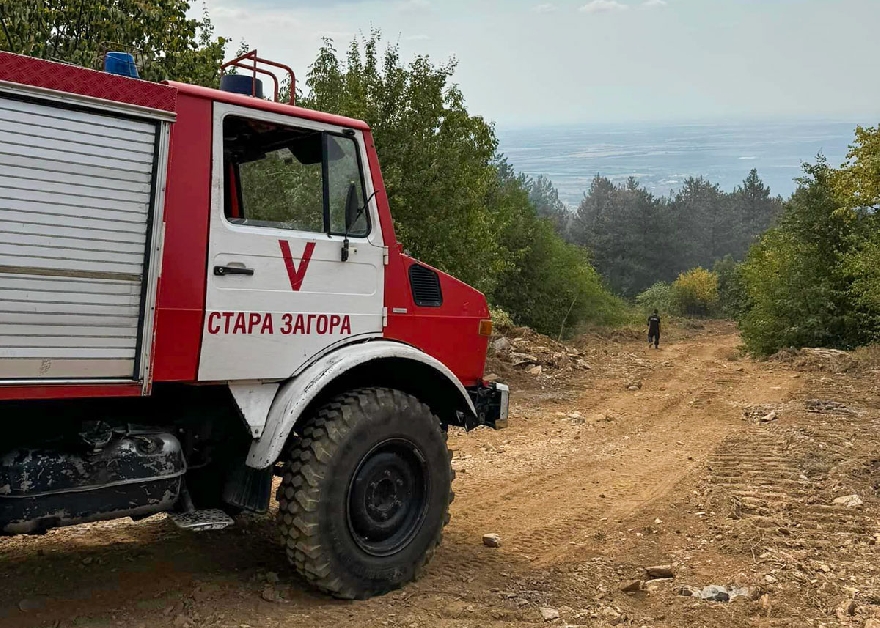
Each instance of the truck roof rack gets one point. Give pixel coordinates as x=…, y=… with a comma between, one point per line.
x=249, y=60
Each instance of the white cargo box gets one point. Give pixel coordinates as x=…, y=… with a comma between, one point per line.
x=80, y=190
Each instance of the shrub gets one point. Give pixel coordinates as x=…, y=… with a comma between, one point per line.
x=657, y=297
x=554, y=289
x=501, y=320
x=695, y=293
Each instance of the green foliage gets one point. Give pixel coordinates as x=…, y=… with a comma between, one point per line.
x=501, y=320
x=657, y=297
x=797, y=277
x=857, y=186
x=285, y=186
x=857, y=182
x=553, y=289
x=545, y=199
x=435, y=156
x=455, y=205
x=863, y=264
x=638, y=239
x=548, y=284
x=165, y=43
x=695, y=293
x=754, y=211
x=281, y=190
x=733, y=300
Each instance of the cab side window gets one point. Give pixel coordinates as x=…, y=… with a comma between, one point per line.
x=344, y=177
x=290, y=178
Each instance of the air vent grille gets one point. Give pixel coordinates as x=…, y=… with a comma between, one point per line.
x=425, y=284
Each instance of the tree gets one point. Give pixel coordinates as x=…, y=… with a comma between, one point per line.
x=545, y=199
x=165, y=43
x=456, y=204
x=637, y=239
x=630, y=234
x=436, y=157
x=755, y=212
x=702, y=213
x=857, y=187
x=695, y=293
x=733, y=299
x=799, y=286
x=857, y=182
x=550, y=284
x=657, y=297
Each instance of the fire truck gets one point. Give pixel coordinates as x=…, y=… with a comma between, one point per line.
x=202, y=300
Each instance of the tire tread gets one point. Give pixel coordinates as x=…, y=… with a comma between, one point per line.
x=309, y=461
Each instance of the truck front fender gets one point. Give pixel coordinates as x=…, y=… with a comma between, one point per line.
x=375, y=363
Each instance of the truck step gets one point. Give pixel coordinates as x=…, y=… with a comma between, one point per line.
x=201, y=520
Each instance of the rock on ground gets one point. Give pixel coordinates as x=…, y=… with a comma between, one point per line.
x=549, y=614
x=716, y=593
x=769, y=417
x=849, y=501
x=660, y=571
x=501, y=345
x=492, y=540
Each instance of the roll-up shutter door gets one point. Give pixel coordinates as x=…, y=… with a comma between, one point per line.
x=75, y=196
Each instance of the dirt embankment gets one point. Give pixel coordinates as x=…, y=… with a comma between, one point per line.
x=761, y=478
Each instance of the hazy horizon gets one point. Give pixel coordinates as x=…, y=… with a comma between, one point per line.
x=865, y=121
x=661, y=156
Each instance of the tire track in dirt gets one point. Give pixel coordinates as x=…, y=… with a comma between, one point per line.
x=780, y=481
x=687, y=405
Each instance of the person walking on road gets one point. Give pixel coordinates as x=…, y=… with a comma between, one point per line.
x=654, y=330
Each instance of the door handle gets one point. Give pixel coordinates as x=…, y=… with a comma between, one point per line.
x=222, y=271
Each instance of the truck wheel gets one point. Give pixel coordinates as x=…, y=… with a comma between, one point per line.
x=366, y=493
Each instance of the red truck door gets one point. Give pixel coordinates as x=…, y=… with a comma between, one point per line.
x=278, y=290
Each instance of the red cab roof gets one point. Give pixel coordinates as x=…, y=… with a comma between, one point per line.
x=266, y=105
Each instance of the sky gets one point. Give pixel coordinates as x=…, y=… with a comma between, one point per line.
x=558, y=62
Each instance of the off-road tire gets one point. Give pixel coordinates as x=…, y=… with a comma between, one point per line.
x=327, y=492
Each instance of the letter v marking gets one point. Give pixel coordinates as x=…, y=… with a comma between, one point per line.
x=295, y=274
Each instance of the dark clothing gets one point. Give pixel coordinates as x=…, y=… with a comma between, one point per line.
x=654, y=330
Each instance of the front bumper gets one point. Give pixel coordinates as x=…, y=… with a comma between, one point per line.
x=492, y=402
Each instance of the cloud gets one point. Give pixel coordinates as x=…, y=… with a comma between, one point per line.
x=603, y=6
x=544, y=8
x=268, y=17
x=413, y=6
x=648, y=4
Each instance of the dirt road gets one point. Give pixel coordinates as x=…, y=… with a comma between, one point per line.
x=647, y=458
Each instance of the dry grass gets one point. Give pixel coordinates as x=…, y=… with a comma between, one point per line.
x=867, y=358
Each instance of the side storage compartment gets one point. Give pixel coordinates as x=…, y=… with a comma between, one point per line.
x=77, y=189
